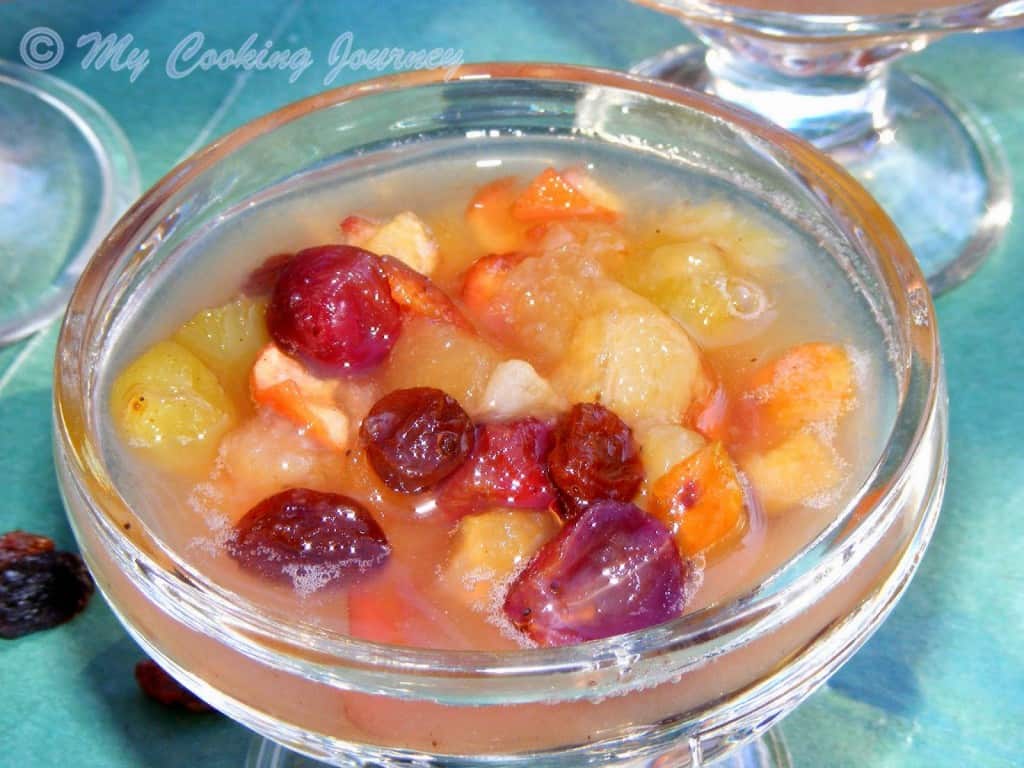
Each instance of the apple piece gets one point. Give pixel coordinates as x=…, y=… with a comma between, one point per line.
x=802, y=469
x=488, y=550
x=490, y=220
x=515, y=389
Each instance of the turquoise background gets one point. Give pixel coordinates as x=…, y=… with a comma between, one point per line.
x=941, y=683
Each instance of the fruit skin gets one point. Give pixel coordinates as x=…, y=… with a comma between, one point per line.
x=284, y=385
x=613, y=569
x=228, y=339
x=416, y=437
x=702, y=501
x=550, y=197
x=507, y=468
x=794, y=471
x=489, y=547
x=594, y=457
x=302, y=528
x=809, y=383
x=333, y=304
x=169, y=404
x=419, y=295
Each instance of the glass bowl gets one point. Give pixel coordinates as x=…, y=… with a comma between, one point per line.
x=682, y=693
x=821, y=69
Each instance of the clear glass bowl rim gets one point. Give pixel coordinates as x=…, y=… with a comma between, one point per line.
x=977, y=15
x=759, y=611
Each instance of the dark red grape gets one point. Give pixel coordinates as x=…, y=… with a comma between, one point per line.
x=333, y=305
x=301, y=528
x=613, y=569
x=506, y=468
x=39, y=587
x=161, y=687
x=594, y=457
x=416, y=437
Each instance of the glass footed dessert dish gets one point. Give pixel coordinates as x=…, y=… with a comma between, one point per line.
x=823, y=70
x=435, y=420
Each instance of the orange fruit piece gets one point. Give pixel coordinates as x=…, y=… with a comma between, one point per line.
x=810, y=383
x=549, y=196
x=284, y=385
x=421, y=295
x=701, y=500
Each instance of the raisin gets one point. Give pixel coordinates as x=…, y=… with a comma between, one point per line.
x=416, y=437
x=594, y=457
x=305, y=529
x=39, y=587
x=160, y=686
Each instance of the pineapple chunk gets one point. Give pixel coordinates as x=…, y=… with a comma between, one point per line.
x=227, y=339
x=407, y=238
x=797, y=471
x=489, y=548
x=168, y=403
x=429, y=353
x=634, y=359
x=515, y=389
x=701, y=501
x=811, y=383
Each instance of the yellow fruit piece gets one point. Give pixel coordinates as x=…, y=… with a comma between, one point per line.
x=430, y=354
x=515, y=390
x=633, y=359
x=227, y=339
x=692, y=282
x=662, y=446
x=408, y=239
x=170, y=404
x=487, y=549
x=701, y=501
x=810, y=383
x=797, y=471
x=745, y=243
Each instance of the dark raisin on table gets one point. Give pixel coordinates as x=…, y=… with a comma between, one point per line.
x=39, y=587
x=161, y=687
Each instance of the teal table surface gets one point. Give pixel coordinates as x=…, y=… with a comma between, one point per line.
x=941, y=683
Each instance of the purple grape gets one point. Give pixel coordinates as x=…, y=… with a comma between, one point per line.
x=613, y=569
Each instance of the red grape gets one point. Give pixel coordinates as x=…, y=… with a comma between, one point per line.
x=305, y=528
x=505, y=469
x=613, y=569
x=595, y=457
x=333, y=304
x=416, y=437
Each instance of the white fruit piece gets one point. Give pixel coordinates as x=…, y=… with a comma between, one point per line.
x=662, y=446
x=515, y=389
x=287, y=387
x=405, y=237
x=593, y=190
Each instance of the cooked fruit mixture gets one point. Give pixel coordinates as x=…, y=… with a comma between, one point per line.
x=531, y=417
